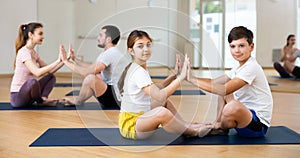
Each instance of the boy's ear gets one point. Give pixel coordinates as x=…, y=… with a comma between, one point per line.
x=252, y=45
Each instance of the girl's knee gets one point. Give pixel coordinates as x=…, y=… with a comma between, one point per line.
x=163, y=113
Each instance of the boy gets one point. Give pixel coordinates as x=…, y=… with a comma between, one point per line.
x=245, y=99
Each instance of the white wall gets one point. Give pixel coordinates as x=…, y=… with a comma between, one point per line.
x=275, y=20
x=127, y=15
x=65, y=20
x=57, y=17
x=13, y=13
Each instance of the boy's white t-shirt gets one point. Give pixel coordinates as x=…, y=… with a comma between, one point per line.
x=256, y=95
x=134, y=99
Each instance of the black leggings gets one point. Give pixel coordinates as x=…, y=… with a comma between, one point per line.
x=109, y=98
x=33, y=90
x=296, y=71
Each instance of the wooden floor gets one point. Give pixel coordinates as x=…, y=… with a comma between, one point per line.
x=18, y=129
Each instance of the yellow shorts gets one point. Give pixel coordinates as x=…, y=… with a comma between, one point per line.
x=127, y=122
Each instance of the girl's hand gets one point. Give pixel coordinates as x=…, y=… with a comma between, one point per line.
x=185, y=68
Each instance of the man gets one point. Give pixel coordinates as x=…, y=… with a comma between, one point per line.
x=101, y=77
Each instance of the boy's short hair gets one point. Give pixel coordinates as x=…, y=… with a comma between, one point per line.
x=113, y=32
x=240, y=32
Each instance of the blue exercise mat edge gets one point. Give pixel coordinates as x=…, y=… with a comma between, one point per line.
x=86, y=106
x=277, y=135
x=177, y=92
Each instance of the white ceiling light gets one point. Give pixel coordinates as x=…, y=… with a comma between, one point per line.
x=93, y=1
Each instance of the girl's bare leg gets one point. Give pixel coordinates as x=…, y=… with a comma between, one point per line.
x=150, y=121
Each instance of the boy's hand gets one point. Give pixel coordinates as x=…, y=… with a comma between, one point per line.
x=184, y=70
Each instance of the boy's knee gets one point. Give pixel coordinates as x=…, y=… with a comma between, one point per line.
x=232, y=108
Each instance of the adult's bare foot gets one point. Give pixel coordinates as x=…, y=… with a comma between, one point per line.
x=48, y=102
x=68, y=101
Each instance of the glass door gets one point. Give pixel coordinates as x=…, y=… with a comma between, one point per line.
x=211, y=34
x=210, y=24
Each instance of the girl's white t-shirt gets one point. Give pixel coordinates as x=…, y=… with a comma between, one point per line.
x=134, y=99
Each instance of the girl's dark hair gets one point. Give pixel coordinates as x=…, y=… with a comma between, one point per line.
x=122, y=78
x=136, y=35
x=23, y=31
x=288, y=38
x=132, y=38
x=240, y=32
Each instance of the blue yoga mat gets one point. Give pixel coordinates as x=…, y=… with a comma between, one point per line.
x=158, y=77
x=112, y=137
x=59, y=106
x=67, y=85
x=290, y=78
x=177, y=92
x=273, y=84
x=79, y=84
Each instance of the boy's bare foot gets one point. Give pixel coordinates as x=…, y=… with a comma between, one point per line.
x=218, y=131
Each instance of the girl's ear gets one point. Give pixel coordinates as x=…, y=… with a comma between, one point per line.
x=130, y=50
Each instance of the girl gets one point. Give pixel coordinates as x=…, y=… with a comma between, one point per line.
x=25, y=88
x=144, y=105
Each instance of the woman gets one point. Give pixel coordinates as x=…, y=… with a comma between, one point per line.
x=25, y=87
x=287, y=57
x=144, y=105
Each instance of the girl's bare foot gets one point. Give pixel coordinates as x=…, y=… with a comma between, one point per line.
x=197, y=125
x=200, y=129
x=204, y=130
